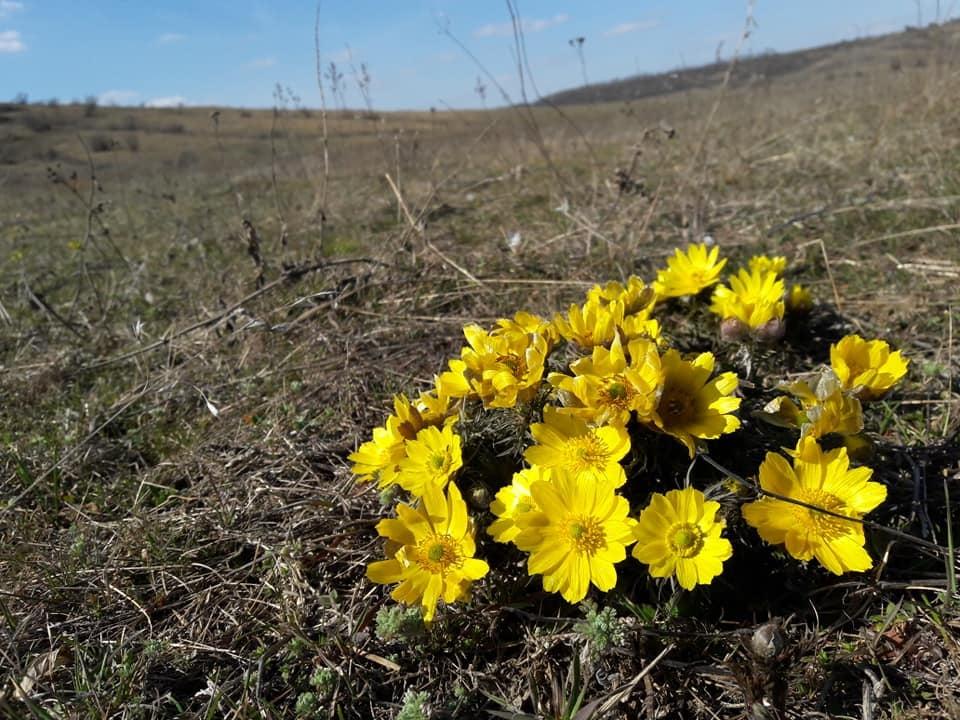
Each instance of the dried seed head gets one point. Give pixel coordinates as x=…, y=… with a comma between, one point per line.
x=767, y=641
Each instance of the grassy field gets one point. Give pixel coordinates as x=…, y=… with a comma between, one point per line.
x=201, y=317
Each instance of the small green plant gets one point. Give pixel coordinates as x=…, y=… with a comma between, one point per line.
x=602, y=629
x=399, y=623
x=415, y=706
x=291, y=658
x=307, y=705
x=323, y=681
x=388, y=496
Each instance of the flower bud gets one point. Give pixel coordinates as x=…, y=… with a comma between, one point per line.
x=733, y=330
x=771, y=331
x=799, y=300
x=478, y=495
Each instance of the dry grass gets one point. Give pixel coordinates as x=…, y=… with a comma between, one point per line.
x=180, y=533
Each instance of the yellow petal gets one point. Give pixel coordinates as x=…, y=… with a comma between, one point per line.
x=602, y=574
x=686, y=573
x=385, y=572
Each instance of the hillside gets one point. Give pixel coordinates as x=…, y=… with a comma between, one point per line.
x=903, y=51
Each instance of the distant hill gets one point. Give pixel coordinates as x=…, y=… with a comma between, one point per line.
x=908, y=48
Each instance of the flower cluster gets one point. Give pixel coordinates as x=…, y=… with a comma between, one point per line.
x=595, y=386
x=814, y=506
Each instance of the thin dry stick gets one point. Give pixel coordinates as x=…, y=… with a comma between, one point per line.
x=449, y=177
x=522, y=110
x=42, y=304
x=222, y=152
x=623, y=692
x=74, y=450
x=274, y=182
x=520, y=44
x=908, y=233
x=396, y=157
x=290, y=274
x=946, y=418
x=418, y=229
x=402, y=206
x=320, y=202
x=826, y=261
x=748, y=25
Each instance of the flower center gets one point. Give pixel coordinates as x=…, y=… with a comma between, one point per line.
x=617, y=393
x=438, y=553
x=815, y=522
x=586, y=452
x=586, y=534
x=440, y=463
x=515, y=363
x=858, y=364
x=635, y=302
x=685, y=539
x=676, y=408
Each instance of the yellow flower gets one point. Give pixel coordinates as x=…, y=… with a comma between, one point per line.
x=436, y=409
x=823, y=480
x=591, y=324
x=754, y=298
x=826, y=408
x=529, y=323
x=606, y=388
x=377, y=459
x=433, y=547
x=764, y=263
x=512, y=501
x=501, y=368
x=455, y=382
x=576, y=536
x=679, y=534
x=636, y=297
x=428, y=409
x=690, y=272
x=691, y=405
x=867, y=368
x=568, y=443
x=799, y=300
x=839, y=413
x=433, y=457
x=829, y=409
x=639, y=327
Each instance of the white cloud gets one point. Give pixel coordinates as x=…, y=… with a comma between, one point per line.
x=167, y=102
x=630, y=27
x=118, y=97
x=262, y=63
x=10, y=42
x=8, y=7
x=528, y=26
x=168, y=38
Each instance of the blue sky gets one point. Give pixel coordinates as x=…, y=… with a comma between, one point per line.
x=234, y=52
